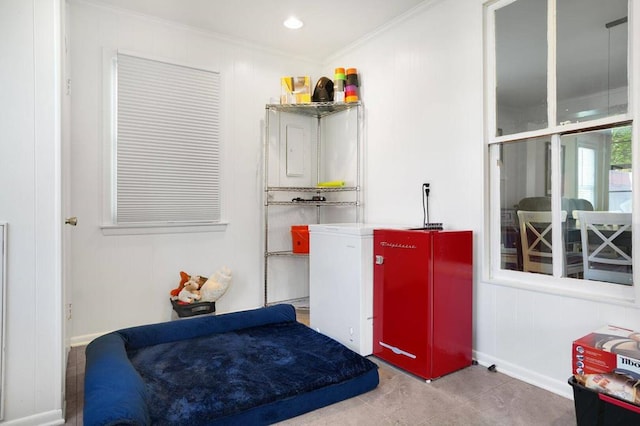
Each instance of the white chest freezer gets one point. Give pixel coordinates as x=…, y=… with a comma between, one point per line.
x=341, y=283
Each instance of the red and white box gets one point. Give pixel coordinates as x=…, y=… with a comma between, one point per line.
x=607, y=350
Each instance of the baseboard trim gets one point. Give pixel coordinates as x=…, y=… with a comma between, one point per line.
x=49, y=418
x=84, y=340
x=559, y=387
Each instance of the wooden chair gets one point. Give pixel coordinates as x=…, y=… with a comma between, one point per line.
x=535, y=237
x=606, y=246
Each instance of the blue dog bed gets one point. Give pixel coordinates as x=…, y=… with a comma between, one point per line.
x=253, y=367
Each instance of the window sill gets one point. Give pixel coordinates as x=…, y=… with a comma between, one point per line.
x=594, y=291
x=163, y=228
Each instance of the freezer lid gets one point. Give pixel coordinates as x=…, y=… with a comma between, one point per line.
x=350, y=228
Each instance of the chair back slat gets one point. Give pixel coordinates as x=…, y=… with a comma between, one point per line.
x=604, y=256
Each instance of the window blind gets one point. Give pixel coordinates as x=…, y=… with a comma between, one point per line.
x=167, y=165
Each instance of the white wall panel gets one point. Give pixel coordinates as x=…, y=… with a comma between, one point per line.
x=423, y=115
x=538, y=352
x=17, y=201
x=120, y=281
x=30, y=203
x=422, y=85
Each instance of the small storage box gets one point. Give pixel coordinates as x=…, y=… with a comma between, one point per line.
x=300, y=238
x=191, y=309
x=597, y=409
x=606, y=350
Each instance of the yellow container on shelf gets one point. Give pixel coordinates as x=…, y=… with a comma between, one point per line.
x=331, y=183
x=295, y=90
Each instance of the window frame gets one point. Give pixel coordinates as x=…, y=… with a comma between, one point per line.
x=109, y=225
x=492, y=272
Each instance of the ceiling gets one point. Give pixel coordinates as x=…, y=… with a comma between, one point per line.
x=330, y=25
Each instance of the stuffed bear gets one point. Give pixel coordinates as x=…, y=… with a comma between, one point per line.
x=216, y=285
x=190, y=292
x=184, y=277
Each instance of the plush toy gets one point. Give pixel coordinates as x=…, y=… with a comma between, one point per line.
x=193, y=283
x=184, y=277
x=190, y=292
x=216, y=285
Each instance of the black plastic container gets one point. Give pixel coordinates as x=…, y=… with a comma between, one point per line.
x=192, y=309
x=594, y=408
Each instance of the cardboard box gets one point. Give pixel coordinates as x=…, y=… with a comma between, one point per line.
x=609, y=349
x=295, y=90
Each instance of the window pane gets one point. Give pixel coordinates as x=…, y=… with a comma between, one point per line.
x=524, y=185
x=620, y=194
x=521, y=67
x=591, y=59
x=590, y=170
x=597, y=177
x=587, y=173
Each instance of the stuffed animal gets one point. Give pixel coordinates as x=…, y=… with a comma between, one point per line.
x=184, y=277
x=190, y=292
x=216, y=285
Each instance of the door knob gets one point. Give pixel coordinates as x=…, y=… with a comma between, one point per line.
x=73, y=221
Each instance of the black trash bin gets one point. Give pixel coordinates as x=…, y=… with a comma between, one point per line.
x=192, y=309
x=594, y=408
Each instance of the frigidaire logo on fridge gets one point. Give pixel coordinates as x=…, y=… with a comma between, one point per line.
x=397, y=245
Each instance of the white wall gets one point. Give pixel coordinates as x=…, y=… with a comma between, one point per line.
x=120, y=281
x=422, y=84
x=528, y=333
x=30, y=203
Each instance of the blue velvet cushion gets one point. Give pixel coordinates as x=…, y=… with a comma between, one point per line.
x=147, y=335
x=202, y=380
x=253, y=367
x=114, y=393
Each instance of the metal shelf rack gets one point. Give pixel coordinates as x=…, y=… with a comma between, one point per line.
x=274, y=195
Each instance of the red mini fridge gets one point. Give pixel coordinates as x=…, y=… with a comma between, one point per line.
x=422, y=300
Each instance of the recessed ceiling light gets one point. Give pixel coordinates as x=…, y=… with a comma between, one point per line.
x=293, y=23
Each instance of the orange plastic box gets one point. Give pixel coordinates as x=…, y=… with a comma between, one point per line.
x=300, y=238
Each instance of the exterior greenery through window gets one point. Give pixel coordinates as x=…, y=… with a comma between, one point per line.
x=621, y=148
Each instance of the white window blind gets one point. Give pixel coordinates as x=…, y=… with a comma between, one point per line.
x=167, y=156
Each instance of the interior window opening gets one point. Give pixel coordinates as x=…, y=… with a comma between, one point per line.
x=561, y=130
x=596, y=230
